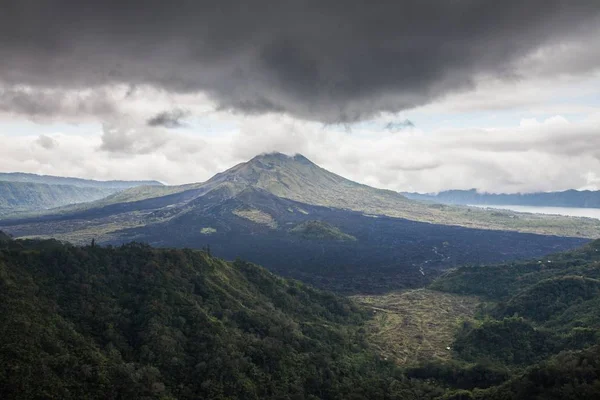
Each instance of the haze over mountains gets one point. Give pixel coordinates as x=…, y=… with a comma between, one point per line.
x=567, y=198
x=316, y=225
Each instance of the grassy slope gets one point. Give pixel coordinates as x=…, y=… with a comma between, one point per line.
x=524, y=330
x=417, y=326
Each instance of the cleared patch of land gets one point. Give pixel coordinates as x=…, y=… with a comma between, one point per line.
x=256, y=216
x=417, y=325
x=319, y=230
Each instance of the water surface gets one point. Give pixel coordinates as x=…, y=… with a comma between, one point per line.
x=567, y=211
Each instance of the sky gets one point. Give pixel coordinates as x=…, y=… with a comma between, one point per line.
x=410, y=95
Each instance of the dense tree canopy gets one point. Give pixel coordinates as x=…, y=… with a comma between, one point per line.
x=135, y=322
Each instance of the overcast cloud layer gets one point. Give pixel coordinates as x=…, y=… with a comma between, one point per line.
x=410, y=95
x=329, y=61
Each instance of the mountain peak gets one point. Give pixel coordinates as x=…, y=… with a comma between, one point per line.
x=268, y=168
x=279, y=158
x=294, y=177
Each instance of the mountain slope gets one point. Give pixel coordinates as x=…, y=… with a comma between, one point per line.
x=138, y=323
x=296, y=239
x=296, y=178
x=553, y=300
x=568, y=198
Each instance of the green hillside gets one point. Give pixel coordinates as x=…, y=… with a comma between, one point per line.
x=538, y=322
x=139, y=323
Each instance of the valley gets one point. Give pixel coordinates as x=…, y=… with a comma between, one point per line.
x=417, y=326
x=140, y=322
x=383, y=303
x=303, y=222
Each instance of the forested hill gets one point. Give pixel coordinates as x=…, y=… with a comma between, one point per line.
x=538, y=335
x=568, y=198
x=132, y=322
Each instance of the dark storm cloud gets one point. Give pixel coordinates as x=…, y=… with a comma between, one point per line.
x=332, y=61
x=169, y=119
x=41, y=103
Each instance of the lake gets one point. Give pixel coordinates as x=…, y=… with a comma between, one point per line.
x=568, y=211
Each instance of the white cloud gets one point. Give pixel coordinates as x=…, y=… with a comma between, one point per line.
x=550, y=154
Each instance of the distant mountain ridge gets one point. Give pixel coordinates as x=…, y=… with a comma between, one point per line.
x=23, y=192
x=567, y=198
x=24, y=196
x=79, y=182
